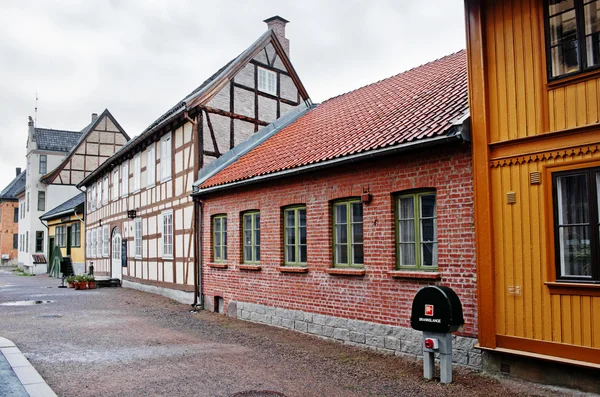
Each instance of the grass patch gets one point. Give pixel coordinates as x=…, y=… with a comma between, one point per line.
x=21, y=272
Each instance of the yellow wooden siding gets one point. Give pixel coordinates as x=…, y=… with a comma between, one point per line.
x=520, y=103
x=574, y=105
x=77, y=253
x=521, y=261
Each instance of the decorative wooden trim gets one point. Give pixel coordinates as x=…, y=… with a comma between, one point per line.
x=267, y=95
x=217, y=265
x=551, y=349
x=531, y=148
x=293, y=269
x=415, y=275
x=212, y=134
x=561, y=288
x=162, y=284
x=234, y=116
x=255, y=268
x=269, y=67
x=345, y=272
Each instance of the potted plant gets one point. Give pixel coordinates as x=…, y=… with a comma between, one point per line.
x=80, y=282
x=91, y=281
x=71, y=281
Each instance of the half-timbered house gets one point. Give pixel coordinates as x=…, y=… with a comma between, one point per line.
x=329, y=222
x=140, y=216
x=57, y=160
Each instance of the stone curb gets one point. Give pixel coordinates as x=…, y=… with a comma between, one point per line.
x=31, y=380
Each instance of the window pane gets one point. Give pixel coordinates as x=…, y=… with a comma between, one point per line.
x=592, y=17
x=407, y=231
x=429, y=254
x=559, y=6
x=248, y=254
x=248, y=222
x=357, y=212
x=290, y=218
x=427, y=230
x=257, y=237
x=302, y=217
x=428, y=206
x=406, y=208
x=341, y=234
x=302, y=235
x=224, y=224
x=248, y=237
x=357, y=252
x=302, y=250
x=563, y=28
x=340, y=214
x=341, y=253
x=573, y=201
x=290, y=254
x=357, y=233
x=290, y=236
x=407, y=255
x=575, y=253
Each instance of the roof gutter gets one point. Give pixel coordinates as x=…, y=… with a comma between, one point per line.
x=453, y=136
x=59, y=214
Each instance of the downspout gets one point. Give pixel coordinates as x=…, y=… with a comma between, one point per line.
x=198, y=295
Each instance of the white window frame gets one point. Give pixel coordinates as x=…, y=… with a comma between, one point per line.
x=92, y=243
x=137, y=171
x=166, y=146
x=105, y=233
x=125, y=179
x=167, y=238
x=99, y=194
x=105, y=190
x=267, y=81
x=137, y=238
x=88, y=244
x=151, y=166
x=115, y=184
x=99, y=242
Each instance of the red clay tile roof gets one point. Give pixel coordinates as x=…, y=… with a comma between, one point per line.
x=415, y=105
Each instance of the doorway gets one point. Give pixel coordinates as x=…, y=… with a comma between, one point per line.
x=116, y=269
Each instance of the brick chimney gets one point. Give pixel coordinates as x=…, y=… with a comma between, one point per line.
x=18, y=171
x=278, y=23
x=94, y=117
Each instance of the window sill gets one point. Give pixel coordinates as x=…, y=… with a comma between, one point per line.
x=293, y=269
x=346, y=272
x=167, y=258
x=573, y=78
x=411, y=274
x=254, y=268
x=217, y=265
x=580, y=289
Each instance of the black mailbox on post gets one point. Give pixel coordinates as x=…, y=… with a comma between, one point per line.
x=437, y=309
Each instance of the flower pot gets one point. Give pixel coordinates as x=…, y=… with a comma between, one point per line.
x=77, y=284
x=71, y=284
x=91, y=284
x=84, y=285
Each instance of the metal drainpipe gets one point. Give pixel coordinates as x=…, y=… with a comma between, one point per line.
x=198, y=296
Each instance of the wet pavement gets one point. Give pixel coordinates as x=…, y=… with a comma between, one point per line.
x=10, y=385
x=121, y=342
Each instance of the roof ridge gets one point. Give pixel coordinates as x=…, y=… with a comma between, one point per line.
x=54, y=129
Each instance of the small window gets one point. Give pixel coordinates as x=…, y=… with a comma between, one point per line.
x=294, y=236
x=115, y=184
x=105, y=190
x=572, y=36
x=88, y=244
x=251, y=235
x=138, y=238
x=105, y=236
x=76, y=235
x=41, y=204
x=39, y=242
x=220, y=238
x=267, y=81
x=348, y=234
x=99, y=194
x=61, y=236
x=576, y=199
x=416, y=230
x=151, y=166
x=43, y=164
x=16, y=215
x=125, y=179
x=165, y=158
x=168, y=234
x=99, y=242
x=137, y=170
x=15, y=241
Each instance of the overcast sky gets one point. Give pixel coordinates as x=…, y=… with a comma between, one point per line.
x=139, y=57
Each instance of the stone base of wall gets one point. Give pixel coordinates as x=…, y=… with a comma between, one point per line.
x=387, y=339
x=179, y=296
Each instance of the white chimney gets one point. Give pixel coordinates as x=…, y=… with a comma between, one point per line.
x=94, y=117
x=278, y=23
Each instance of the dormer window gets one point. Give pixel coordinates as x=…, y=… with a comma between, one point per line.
x=572, y=36
x=267, y=81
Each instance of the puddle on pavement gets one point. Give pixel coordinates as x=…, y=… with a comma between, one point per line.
x=51, y=316
x=258, y=393
x=25, y=303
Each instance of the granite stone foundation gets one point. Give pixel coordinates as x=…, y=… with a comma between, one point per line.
x=387, y=339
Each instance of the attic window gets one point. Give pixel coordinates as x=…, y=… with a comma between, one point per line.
x=267, y=81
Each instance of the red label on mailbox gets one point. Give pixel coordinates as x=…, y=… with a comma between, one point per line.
x=429, y=310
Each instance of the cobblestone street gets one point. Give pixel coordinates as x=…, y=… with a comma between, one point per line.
x=121, y=342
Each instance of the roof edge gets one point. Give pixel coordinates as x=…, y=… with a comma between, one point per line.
x=402, y=147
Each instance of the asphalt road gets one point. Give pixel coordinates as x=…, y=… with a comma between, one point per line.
x=121, y=342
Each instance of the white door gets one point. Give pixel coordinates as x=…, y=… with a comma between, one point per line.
x=116, y=269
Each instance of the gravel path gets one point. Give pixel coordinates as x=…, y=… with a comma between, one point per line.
x=121, y=342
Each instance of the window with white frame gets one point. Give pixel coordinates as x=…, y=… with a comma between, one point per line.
x=60, y=236
x=92, y=243
x=151, y=166
x=137, y=170
x=87, y=244
x=89, y=199
x=138, y=238
x=105, y=190
x=105, y=230
x=99, y=242
x=116, y=183
x=165, y=157
x=267, y=81
x=125, y=179
x=167, y=234
x=99, y=194
x=76, y=235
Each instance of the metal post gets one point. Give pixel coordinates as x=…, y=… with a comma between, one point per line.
x=446, y=368
x=428, y=364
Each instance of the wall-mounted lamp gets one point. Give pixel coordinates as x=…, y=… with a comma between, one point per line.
x=131, y=214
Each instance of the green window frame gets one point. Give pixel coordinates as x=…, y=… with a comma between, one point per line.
x=294, y=236
x=220, y=238
x=348, y=237
x=251, y=236
x=416, y=231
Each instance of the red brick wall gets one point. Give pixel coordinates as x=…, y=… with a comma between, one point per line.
x=375, y=297
x=8, y=228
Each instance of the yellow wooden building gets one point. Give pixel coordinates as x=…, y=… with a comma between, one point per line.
x=534, y=81
x=65, y=238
